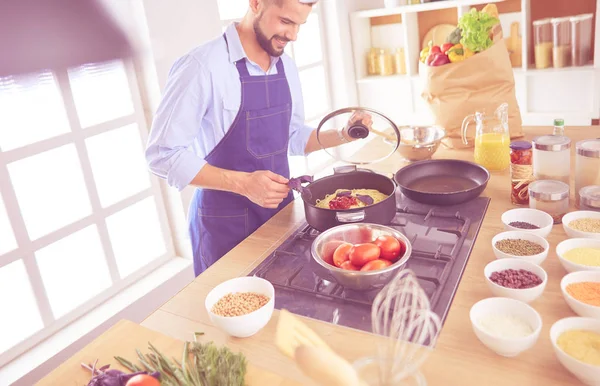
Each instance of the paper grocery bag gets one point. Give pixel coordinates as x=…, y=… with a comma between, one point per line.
x=479, y=83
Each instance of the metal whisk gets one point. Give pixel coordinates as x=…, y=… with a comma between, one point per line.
x=402, y=314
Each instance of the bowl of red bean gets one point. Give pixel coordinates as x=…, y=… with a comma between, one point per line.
x=528, y=220
x=241, y=306
x=516, y=278
x=522, y=245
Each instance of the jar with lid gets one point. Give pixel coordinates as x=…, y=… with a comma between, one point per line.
x=385, y=63
x=552, y=158
x=587, y=165
x=551, y=197
x=373, y=61
x=399, y=61
x=581, y=39
x=589, y=198
x=542, y=35
x=561, y=50
x=521, y=172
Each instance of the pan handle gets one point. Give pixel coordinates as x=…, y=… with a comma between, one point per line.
x=350, y=217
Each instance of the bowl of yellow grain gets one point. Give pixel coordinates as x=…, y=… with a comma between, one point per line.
x=581, y=291
x=242, y=306
x=579, y=254
x=582, y=223
x=576, y=343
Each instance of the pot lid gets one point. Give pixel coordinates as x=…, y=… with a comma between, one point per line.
x=356, y=127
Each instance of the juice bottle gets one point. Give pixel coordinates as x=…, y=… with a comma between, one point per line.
x=492, y=150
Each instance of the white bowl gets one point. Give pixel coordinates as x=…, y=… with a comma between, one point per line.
x=508, y=347
x=526, y=295
x=586, y=373
x=577, y=215
x=569, y=244
x=536, y=259
x=578, y=307
x=533, y=216
x=245, y=325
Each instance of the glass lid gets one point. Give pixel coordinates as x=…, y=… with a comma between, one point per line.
x=356, y=127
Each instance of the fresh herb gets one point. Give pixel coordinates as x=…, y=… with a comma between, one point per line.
x=476, y=27
x=104, y=376
x=200, y=365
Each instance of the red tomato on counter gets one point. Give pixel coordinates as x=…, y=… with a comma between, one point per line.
x=391, y=247
x=361, y=254
x=341, y=254
x=143, y=380
x=374, y=265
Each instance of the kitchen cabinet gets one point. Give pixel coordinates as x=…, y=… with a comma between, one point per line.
x=572, y=93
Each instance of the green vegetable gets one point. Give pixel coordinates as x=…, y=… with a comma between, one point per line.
x=454, y=36
x=476, y=27
x=201, y=365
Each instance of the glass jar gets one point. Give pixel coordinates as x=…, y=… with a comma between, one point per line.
x=581, y=39
x=373, y=61
x=385, y=63
x=399, y=62
x=587, y=165
x=561, y=50
x=552, y=158
x=589, y=198
x=551, y=197
x=542, y=35
x=521, y=172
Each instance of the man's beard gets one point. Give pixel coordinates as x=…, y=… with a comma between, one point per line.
x=265, y=42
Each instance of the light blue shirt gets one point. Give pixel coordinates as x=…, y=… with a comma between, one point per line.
x=200, y=101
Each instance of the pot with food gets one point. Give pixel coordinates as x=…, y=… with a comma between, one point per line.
x=351, y=194
x=360, y=256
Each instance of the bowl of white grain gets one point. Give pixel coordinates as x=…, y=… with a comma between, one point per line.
x=242, y=306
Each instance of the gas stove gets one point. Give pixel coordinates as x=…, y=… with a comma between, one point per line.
x=442, y=239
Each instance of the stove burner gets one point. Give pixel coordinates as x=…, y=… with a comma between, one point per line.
x=442, y=239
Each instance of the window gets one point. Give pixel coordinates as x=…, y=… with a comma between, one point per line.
x=308, y=53
x=80, y=215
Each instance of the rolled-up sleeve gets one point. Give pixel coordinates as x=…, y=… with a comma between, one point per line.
x=177, y=123
x=299, y=131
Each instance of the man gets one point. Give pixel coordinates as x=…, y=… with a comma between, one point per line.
x=231, y=111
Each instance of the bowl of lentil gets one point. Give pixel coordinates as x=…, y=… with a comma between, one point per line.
x=516, y=279
x=521, y=245
x=575, y=341
x=528, y=220
x=579, y=254
x=582, y=223
x=581, y=291
x=241, y=306
x=506, y=326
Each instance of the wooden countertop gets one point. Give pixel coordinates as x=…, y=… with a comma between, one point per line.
x=459, y=357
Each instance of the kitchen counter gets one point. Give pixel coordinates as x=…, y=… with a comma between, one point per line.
x=459, y=358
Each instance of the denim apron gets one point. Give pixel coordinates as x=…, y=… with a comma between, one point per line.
x=257, y=140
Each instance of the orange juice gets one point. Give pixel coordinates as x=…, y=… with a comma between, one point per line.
x=492, y=150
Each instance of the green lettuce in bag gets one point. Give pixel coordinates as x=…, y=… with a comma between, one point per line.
x=476, y=26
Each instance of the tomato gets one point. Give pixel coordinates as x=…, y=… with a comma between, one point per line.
x=361, y=254
x=143, y=380
x=341, y=254
x=328, y=250
x=349, y=266
x=391, y=247
x=374, y=265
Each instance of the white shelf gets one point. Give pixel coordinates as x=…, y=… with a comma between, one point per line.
x=421, y=7
x=532, y=71
x=382, y=78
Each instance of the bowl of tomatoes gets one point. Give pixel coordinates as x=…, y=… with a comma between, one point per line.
x=360, y=256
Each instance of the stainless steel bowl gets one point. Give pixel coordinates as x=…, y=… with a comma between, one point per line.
x=355, y=234
x=419, y=142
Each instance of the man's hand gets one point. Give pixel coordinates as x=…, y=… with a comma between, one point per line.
x=265, y=188
x=357, y=116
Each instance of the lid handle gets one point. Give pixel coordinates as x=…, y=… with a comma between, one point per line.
x=358, y=131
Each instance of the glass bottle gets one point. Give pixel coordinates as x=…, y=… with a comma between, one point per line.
x=559, y=126
x=385, y=63
x=587, y=165
x=372, y=62
x=521, y=172
x=552, y=158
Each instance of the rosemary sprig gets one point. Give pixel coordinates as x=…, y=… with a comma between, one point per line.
x=202, y=364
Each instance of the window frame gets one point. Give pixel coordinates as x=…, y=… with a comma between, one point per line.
x=26, y=247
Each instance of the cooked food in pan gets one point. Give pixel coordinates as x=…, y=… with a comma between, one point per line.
x=351, y=199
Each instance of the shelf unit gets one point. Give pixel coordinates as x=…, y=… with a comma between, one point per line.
x=572, y=92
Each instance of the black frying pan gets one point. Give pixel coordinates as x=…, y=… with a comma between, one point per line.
x=442, y=182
